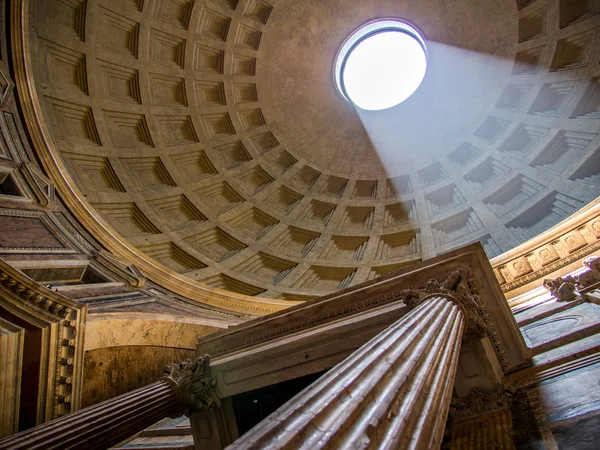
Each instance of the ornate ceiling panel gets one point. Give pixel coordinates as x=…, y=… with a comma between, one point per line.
x=210, y=136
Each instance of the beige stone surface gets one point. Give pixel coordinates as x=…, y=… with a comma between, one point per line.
x=162, y=330
x=114, y=371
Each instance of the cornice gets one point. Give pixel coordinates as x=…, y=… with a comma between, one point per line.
x=457, y=286
x=556, y=249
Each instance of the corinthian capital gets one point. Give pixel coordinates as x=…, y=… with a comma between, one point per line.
x=195, y=383
x=456, y=286
x=480, y=402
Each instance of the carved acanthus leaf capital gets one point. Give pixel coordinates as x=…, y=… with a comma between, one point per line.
x=456, y=285
x=195, y=383
x=479, y=402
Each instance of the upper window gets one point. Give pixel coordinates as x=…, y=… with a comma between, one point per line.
x=381, y=64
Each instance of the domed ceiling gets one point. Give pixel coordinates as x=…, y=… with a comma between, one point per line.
x=210, y=135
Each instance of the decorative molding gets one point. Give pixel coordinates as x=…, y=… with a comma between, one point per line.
x=551, y=251
x=16, y=146
x=62, y=323
x=458, y=285
x=457, y=288
x=12, y=347
x=132, y=276
x=79, y=241
x=551, y=268
x=6, y=86
x=25, y=197
x=479, y=402
x=53, y=227
x=553, y=369
x=40, y=185
x=196, y=385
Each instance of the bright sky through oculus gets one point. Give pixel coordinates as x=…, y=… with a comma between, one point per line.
x=381, y=64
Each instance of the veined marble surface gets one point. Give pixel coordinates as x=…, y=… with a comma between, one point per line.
x=115, y=330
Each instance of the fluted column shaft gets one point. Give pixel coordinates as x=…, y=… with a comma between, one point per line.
x=392, y=393
x=105, y=424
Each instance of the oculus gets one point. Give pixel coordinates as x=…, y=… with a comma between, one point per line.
x=381, y=64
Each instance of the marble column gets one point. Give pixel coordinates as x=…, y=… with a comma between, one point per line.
x=102, y=425
x=393, y=392
x=186, y=388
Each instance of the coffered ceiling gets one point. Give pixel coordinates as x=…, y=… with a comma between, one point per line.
x=210, y=135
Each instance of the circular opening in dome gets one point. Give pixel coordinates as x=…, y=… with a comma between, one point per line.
x=381, y=64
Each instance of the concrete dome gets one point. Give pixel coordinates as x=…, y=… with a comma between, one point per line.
x=208, y=136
